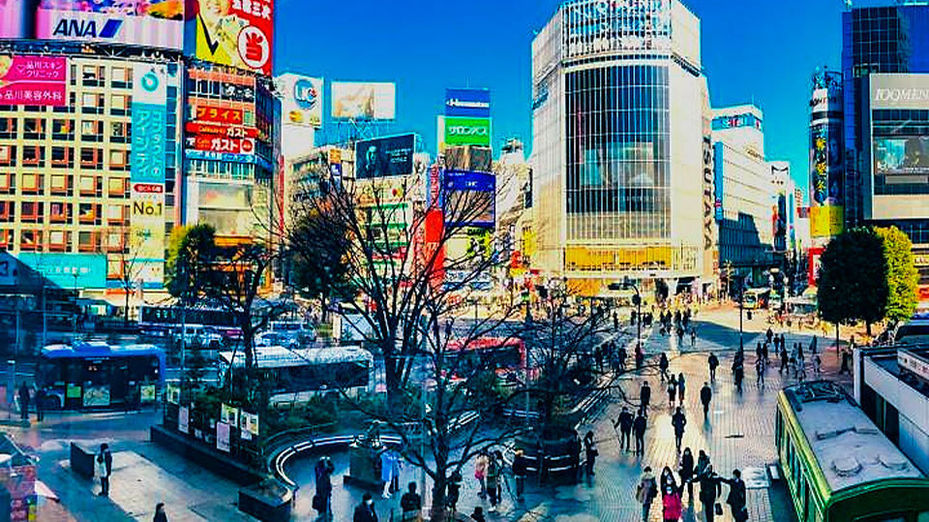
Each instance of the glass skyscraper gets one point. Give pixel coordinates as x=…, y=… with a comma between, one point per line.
x=618, y=120
x=885, y=59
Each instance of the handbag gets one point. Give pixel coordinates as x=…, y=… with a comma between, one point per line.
x=718, y=508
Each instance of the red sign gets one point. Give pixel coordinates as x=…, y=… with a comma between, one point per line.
x=148, y=188
x=218, y=129
x=33, y=80
x=222, y=144
x=237, y=33
x=208, y=113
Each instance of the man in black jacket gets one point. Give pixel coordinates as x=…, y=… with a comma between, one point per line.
x=710, y=490
x=411, y=503
x=736, y=498
x=678, y=421
x=638, y=428
x=645, y=396
x=706, y=395
x=364, y=512
x=520, y=470
x=624, y=424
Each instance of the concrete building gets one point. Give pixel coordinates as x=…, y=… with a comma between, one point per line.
x=885, y=70
x=892, y=387
x=618, y=94
x=514, y=206
x=745, y=190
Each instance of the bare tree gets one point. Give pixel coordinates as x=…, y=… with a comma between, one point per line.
x=130, y=255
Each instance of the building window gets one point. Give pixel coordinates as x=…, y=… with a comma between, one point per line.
x=62, y=157
x=92, y=130
x=119, y=132
x=33, y=156
x=114, y=241
x=32, y=183
x=119, y=104
x=89, y=213
x=91, y=158
x=117, y=187
x=58, y=240
x=62, y=130
x=6, y=238
x=92, y=75
x=68, y=108
x=60, y=212
x=30, y=240
x=115, y=214
x=34, y=129
x=7, y=183
x=8, y=155
x=87, y=241
x=118, y=160
x=8, y=128
x=120, y=76
x=31, y=211
x=7, y=211
x=92, y=103
x=61, y=184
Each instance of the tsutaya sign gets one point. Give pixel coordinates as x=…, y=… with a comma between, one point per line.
x=899, y=91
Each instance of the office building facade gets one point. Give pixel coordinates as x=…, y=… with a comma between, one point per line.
x=617, y=137
x=885, y=69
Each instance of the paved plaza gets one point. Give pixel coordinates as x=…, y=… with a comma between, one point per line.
x=738, y=434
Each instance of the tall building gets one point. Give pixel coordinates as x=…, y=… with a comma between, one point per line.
x=885, y=69
x=618, y=94
x=743, y=179
x=827, y=166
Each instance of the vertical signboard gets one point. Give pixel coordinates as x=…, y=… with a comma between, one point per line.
x=147, y=197
x=467, y=103
x=826, y=159
x=364, y=100
x=238, y=33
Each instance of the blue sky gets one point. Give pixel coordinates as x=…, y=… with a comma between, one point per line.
x=761, y=50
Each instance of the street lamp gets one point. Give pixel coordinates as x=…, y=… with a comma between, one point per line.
x=741, y=300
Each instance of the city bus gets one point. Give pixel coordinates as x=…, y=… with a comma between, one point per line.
x=838, y=466
x=755, y=298
x=505, y=355
x=297, y=374
x=163, y=321
x=99, y=375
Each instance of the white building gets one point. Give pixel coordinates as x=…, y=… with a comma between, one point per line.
x=618, y=144
x=744, y=191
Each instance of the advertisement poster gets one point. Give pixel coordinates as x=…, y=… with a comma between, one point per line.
x=229, y=414
x=469, y=103
x=73, y=391
x=466, y=131
x=303, y=100
x=379, y=157
x=147, y=392
x=172, y=394
x=364, y=101
x=222, y=144
x=222, y=436
x=33, y=80
x=469, y=198
x=97, y=395
x=249, y=425
x=152, y=23
x=238, y=33
x=68, y=270
x=183, y=419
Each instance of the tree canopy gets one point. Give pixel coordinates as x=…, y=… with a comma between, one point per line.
x=902, y=276
x=852, y=281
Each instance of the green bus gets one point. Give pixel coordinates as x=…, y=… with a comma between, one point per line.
x=838, y=466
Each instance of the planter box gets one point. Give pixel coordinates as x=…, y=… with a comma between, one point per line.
x=82, y=460
x=271, y=504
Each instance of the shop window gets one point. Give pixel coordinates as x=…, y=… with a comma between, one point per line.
x=62, y=157
x=30, y=240
x=8, y=128
x=33, y=156
x=8, y=155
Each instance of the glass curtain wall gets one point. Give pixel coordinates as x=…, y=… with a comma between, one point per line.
x=618, y=167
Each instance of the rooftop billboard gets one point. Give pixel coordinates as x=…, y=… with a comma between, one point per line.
x=469, y=103
x=238, y=33
x=153, y=23
x=364, y=100
x=390, y=156
x=302, y=102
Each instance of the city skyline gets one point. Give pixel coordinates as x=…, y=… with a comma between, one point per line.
x=500, y=61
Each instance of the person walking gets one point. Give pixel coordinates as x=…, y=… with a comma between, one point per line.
x=24, y=402
x=817, y=366
x=738, y=374
x=736, y=498
x=666, y=480
x=478, y=514
x=686, y=472
x=480, y=472
x=590, y=452
x=322, y=501
x=703, y=464
x=713, y=363
x=706, y=395
x=365, y=512
x=672, y=391
x=663, y=366
x=453, y=491
x=681, y=388
x=645, y=396
x=411, y=503
x=784, y=360
x=40, y=398
x=678, y=421
x=624, y=424
x=671, y=504
x=693, y=336
x=710, y=490
x=759, y=372
x=621, y=358
x=638, y=429
x=160, y=515
x=520, y=471
x=493, y=482
x=639, y=356
x=646, y=491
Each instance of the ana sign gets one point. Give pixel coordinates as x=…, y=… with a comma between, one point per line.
x=110, y=27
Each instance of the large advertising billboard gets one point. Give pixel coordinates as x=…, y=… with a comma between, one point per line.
x=238, y=33
x=901, y=157
x=33, y=80
x=303, y=100
x=363, y=100
x=68, y=270
x=147, y=157
x=592, y=26
x=469, y=198
x=390, y=156
x=468, y=103
x=466, y=131
x=152, y=23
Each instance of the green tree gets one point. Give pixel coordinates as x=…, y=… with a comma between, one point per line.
x=852, y=280
x=902, y=276
x=192, y=252
x=317, y=255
